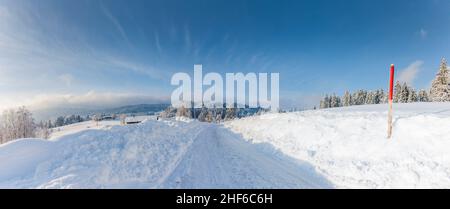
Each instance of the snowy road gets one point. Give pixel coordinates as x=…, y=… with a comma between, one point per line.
x=219, y=158
x=154, y=154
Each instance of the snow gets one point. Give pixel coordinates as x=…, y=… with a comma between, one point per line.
x=77, y=127
x=153, y=154
x=139, y=118
x=349, y=145
x=332, y=148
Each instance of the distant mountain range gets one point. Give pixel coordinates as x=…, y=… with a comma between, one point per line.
x=139, y=109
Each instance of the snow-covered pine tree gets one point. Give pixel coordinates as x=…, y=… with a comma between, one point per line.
x=423, y=96
x=360, y=97
x=412, y=95
x=322, y=104
x=376, y=97
x=383, y=97
x=369, y=98
x=325, y=102
x=440, y=89
x=404, y=94
x=397, y=92
x=346, y=99
x=334, y=101
x=354, y=97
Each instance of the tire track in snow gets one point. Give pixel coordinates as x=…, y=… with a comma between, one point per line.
x=218, y=158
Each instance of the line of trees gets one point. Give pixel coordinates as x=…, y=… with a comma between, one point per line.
x=67, y=120
x=214, y=114
x=403, y=93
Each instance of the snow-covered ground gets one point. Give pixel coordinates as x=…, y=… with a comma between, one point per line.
x=153, y=154
x=77, y=127
x=105, y=124
x=349, y=145
x=339, y=147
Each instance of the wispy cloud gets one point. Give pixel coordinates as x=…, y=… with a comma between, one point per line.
x=409, y=74
x=423, y=33
x=142, y=69
x=115, y=22
x=187, y=39
x=31, y=47
x=157, y=43
x=26, y=45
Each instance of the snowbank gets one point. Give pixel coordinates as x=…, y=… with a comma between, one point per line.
x=135, y=156
x=349, y=145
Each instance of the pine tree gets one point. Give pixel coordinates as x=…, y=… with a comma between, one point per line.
x=59, y=121
x=383, y=97
x=334, y=102
x=347, y=99
x=423, y=96
x=377, y=97
x=397, y=92
x=325, y=102
x=412, y=95
x=355, y=98
x=322, y=104
x=369, y=98
x=359, y=97
x=404, y=94
x=440, y=89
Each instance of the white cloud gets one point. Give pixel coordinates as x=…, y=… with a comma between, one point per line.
x=409, y=74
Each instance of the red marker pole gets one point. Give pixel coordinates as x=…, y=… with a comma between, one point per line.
x=391, y=91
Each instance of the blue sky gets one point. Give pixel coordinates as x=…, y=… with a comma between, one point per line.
x=113, y=52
